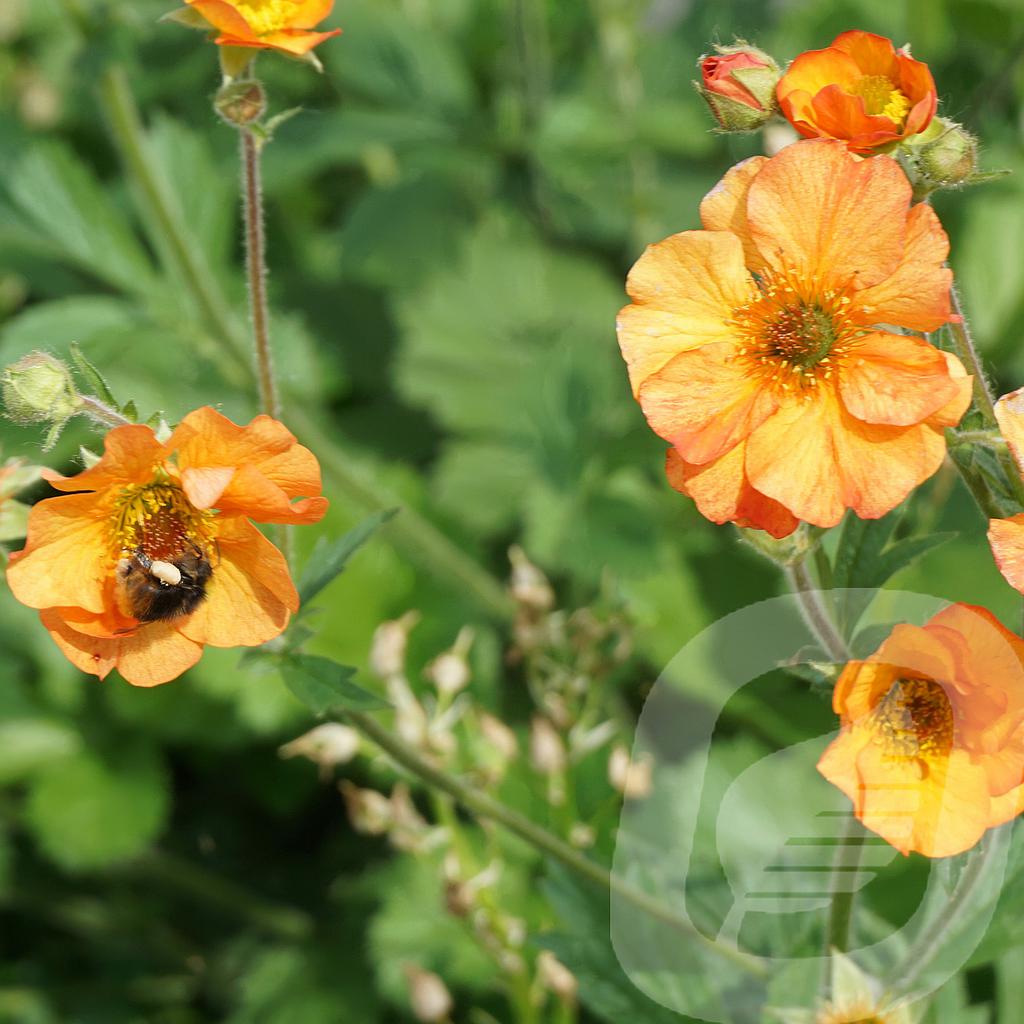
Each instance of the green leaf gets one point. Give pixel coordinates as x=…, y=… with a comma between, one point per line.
x=129, y=411
x=88, y=811
x=93, y=378
x=13, y=520
x=324, y=685
x=329, y=558
x=30, y=744
x=61, y=202
x=188, y=17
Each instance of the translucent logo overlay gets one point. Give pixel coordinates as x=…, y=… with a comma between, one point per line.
x=740, y=857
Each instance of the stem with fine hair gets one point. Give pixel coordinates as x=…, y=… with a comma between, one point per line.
x=474, y=800
x=256, y=272
x=814, y=610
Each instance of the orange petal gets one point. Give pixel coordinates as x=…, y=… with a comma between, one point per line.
x=917, y=293
x=252, y=495
x=861, y=685
x=309, y=13
x=940, y=815
x=129, y=455
x=156, y=654
x=952, y=413
x=684, y=291
x=840, y=115
x=704, y=403
x=818, y=460
x=203, y=486
x=1006, y=537
x=223, y=16
x=296, y=42
x=1010, y=417
x=724, y=208
x=66, y=560
x=895, y=379
x=873, y=55
x=816, y=70
x=833, y=218
x=723, y=493
x=250, y=595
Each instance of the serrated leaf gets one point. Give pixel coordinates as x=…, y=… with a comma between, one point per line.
x=93, y=378
x=324, y=685
x=329, y=558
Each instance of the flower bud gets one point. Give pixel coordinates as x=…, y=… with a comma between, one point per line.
x=529, y=585
x=327, y=745
x=499, y=736
x=943, y=156
x=449, y=672
x=738, y=83
x=428, y=995
x=547, y=751
x=390, y=640
x=556, y=977
x=370, y=812
x=240, y=102
x=39, y=389
x=633, y=779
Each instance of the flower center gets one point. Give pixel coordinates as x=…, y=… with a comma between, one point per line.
x=791, y=334
x=266, y=16
x=914, y=719
x=157, y=519
x=881, y=96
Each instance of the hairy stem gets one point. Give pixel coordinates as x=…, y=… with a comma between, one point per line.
x=815, y=611
x=102, y=413
x=256, y=272
x=474, y=800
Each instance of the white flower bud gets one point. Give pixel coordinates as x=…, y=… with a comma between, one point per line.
x=390, y=640
x=327, y=745
x=556, y=977
x=429, y=997
x=633, y=779
x=370, y=812
x=449, y=672
x=528, y=584
x=547, y=751
x=499, y=736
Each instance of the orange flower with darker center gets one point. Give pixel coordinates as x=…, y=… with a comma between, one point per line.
x=860, y=89
x=764, y=348
x=931, y=746
x=1006, y=536
x=156, y=555
x=284, y=25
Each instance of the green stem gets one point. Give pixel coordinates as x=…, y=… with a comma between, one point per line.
x=984, y=397
x=416, y=536
x=129, y=135
x=815, y=612
x=479, y=803
x=256, y=272
x=101, y=413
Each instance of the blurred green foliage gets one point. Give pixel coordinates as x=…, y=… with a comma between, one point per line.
x=450, y=220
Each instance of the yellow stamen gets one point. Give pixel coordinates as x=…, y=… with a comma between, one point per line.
x=158, y=519
x=882, y=96
x=914, y=719
x=267, y=16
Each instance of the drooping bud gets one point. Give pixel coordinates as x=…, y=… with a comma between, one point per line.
x=240, y=102
x=370, y=812
x=529, y=585
x=556, y=977
x=39, y=388
x=633, y=779
x=547, y=751
x=390, y=640
x=738, y=84
x=429, y=997
x=327, y=745
x=449, y=671
x=945, y=155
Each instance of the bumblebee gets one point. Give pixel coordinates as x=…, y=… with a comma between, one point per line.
x=152, y=590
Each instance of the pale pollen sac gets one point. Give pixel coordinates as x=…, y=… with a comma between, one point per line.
x=166, y=572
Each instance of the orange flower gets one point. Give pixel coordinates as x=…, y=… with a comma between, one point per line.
x=860, y=89
x=155, y=555
x=782, y=395
x=284, y=25
x=931, y=745
x=1006, y=536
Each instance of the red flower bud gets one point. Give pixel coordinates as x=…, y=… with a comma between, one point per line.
x=738, y=82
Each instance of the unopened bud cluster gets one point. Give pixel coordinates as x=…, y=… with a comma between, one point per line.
x=39, y=388
x=945, y=155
